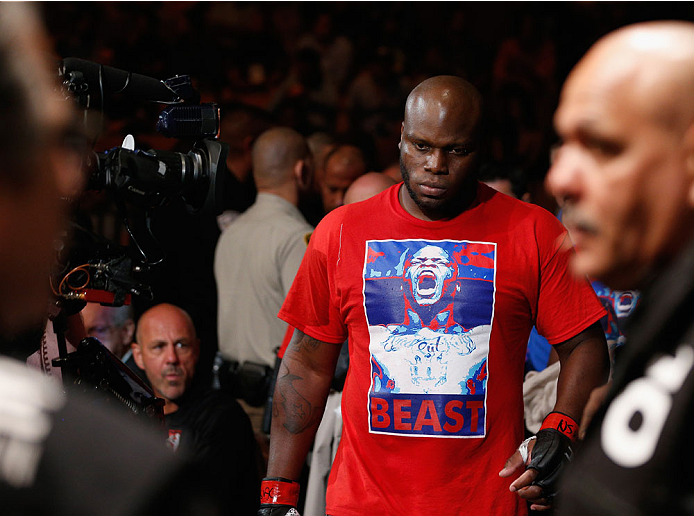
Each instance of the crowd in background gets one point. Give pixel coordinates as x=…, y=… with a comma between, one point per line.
x=345, y=68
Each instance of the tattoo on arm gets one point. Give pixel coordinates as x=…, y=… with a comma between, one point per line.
x=299, y=413
x=305, y=344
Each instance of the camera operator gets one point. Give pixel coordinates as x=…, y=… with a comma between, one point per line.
x=59, y=454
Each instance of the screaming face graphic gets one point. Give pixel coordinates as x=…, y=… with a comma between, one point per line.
x=427, y=271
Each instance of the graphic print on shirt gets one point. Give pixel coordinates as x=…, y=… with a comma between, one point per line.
x=429, y=307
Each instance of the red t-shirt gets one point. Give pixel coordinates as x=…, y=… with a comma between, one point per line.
x=438, y=316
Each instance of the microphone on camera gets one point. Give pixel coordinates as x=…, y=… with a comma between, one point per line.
x=101, y=79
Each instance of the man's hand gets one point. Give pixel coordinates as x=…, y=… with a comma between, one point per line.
x=543, y=456
x=523, y=485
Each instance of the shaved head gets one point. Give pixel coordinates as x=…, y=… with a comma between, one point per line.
x=652, y=63
x=275, y=154
x=161, y=314
x=167, y=349
x=625, y=170
x=367, y=186
x=451, y=96
x=439, y=141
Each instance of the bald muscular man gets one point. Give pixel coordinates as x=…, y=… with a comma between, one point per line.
x=625, y=172
x=436, y=283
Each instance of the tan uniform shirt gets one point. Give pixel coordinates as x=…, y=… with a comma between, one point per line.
x=256, y=260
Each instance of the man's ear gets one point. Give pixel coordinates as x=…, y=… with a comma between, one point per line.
x=137, y=355
x=402, y=129
x=302, y=174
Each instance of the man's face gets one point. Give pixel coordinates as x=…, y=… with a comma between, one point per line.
x=101, y=322
x=336, y=181
x=618, y=176
x=437, y=159
x=167, y=350
x=428, y=270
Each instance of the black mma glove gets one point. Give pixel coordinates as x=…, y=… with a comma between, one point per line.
x=552, y=451
x=278, y=497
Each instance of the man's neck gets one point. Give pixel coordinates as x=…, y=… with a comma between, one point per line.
x=287, y=192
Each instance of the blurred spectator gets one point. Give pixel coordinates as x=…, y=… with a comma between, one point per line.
x=367, y=186
x=343, y=164
x=113, y=326
x=258, y=255
x=311, y=205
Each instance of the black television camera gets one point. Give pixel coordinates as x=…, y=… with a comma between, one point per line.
x=94, y=269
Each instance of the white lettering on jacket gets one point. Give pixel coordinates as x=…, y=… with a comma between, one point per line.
x=650, y=397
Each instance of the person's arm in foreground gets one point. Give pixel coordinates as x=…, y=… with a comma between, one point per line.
x=302, y=387
x=584, y=366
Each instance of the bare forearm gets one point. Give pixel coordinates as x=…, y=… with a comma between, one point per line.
x=584, y=366
x=302, y=388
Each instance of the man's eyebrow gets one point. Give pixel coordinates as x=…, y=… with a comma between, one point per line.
x=469, y=143
x=411, y=136
x=585, y=124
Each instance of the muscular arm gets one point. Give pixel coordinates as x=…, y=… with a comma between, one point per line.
x=302, y=387
x=584, y=366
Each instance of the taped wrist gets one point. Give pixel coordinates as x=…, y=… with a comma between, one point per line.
x=278, y=496
x=552, y=450
x=561, y=423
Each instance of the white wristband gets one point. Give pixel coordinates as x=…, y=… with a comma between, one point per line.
x=523, y=448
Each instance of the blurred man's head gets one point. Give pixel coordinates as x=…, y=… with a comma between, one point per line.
x=367, y=186
x=282, y=162
x=113, y=326
x=167, y=349
x=37, y=167
x=625, y=170
x=343, y=164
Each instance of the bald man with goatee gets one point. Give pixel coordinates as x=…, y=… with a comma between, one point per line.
x=625, y=174
x=436, y=282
